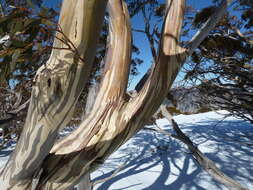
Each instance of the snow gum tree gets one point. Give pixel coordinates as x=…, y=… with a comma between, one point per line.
x=39, y=161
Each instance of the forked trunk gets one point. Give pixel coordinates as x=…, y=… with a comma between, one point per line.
x=115, y=116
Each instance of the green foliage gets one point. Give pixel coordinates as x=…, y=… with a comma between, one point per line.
x=30, y=28
x=223, y=62
x=29, y=34
x=202, y=16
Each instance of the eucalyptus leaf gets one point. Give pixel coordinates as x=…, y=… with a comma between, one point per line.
x=47, y=22
x=18, y=43
x=30, y=4
x=15, y=57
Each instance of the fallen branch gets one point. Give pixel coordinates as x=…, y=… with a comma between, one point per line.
x=111, y=176
x=207, y=164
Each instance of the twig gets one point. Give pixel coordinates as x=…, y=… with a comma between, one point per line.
x=111, y=176
x=207, y=164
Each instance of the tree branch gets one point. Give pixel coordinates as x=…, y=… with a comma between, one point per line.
x=208, y=26
x=147, y=33
x=114, y=84
x=243, y=36
x=207, y=164
x=1, y=10
x=118, y=56
x=170, y=58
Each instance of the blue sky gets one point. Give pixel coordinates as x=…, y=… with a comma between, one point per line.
x=140, y=40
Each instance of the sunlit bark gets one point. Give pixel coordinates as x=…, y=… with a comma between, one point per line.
x=115, y=116
x=56, y=90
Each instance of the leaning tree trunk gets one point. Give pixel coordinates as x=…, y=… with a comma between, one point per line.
x=115, y=116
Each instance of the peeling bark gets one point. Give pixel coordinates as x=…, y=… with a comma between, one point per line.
x=114, y=118
x=52, y=103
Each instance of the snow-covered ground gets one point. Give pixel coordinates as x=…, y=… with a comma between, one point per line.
x=153, y=161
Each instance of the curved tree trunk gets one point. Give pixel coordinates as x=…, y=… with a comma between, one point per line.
x=115, y=117
x=85, y=184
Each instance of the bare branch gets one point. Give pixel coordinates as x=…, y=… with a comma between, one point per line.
x=18, y=97
x=207, y=164
x=150, y=37
x=1, y=10
x=208, y=26
x=111, y=176
x=242, y=35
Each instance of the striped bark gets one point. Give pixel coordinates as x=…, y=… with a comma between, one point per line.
x=56, y=90
x=115, y=116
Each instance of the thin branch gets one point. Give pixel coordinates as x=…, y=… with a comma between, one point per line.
x=20, y=108
x=111, y=176
x=150, y=37
x=208, y=26
x=243, y=36
x=1, y=10
x=207, y=164
x=138, y=30
x=70, y=46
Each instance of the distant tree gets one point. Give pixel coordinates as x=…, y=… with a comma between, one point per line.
x=223, y=62
x=25, y=40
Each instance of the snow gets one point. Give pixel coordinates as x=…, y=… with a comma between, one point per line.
x=4, y=39
x=153, y=161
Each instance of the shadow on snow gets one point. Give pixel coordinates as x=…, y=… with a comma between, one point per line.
x=164, y=163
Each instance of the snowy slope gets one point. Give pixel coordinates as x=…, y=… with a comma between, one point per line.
x=153, y=161
x=156, y=162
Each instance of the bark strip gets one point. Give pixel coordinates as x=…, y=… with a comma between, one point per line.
x=115, y=117
x=57, y=87
x=113, y=87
